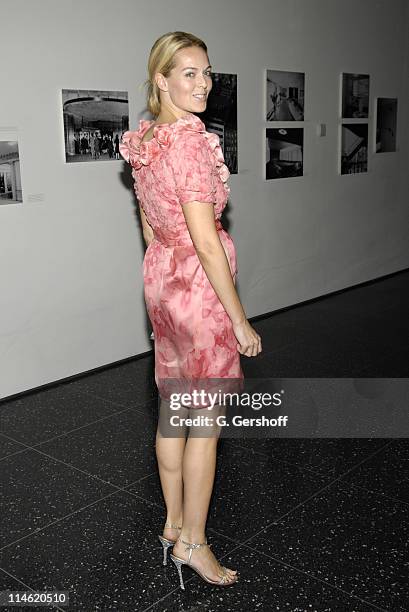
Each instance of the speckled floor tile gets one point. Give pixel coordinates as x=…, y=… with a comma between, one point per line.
x=350, y=538
x=245, y=499
x=264, y=584
x=277, y=332
x=331, y=358
x=302, y=360
x=118, y=449
x=107, y=556
x=328, y=456
x=37, y=490
x=393, y=363
x=256, y=496
x=360, y=333
x=51, y=412
x=386, y=473
x=129, y=384
x=305, y=324
x=9, y=447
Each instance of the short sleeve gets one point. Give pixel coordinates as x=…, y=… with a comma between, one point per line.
x=193, y=168
x=129, y=146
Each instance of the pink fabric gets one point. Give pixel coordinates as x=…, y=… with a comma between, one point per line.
x=193, y=334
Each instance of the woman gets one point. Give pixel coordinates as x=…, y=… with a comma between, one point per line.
x=200, y=327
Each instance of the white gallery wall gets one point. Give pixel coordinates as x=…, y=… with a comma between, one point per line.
x=71, y=254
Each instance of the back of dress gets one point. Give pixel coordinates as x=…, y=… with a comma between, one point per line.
x=193, y=333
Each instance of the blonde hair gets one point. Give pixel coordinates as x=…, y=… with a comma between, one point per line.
x=162, y=59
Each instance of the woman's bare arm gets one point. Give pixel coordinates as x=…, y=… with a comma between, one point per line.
x=201, y=225
x=202, y=228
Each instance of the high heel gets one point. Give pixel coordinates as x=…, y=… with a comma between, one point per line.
x=179, y=562
x=166, y=542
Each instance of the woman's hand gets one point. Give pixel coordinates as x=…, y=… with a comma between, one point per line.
x=249, y=342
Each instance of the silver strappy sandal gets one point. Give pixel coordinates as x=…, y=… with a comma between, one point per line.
x=224, y=580
x=166, y=543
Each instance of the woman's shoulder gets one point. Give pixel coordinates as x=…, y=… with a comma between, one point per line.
x=190, y=133
x=193, y=146
x=188, y=125
x=183, y=139
x=188, y=136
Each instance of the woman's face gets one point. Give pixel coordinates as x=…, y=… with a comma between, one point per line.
x=183, y=89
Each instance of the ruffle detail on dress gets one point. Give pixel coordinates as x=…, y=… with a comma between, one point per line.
x=138, y=153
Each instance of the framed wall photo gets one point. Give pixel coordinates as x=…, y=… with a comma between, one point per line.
x=354, y=95
x=11, y=191
x=220, y=116
x=284, y=152
x=94, y=121
x=354, y=148
x=386, y=123
x=284, y=95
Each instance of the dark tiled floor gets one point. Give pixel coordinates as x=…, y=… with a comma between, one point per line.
x=311, y=524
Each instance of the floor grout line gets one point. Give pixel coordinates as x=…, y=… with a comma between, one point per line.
x=379, y=494
x=277, y=560
x=76, y=511
x=326, y=475
x=222, y=535
x=142, y=498
x=117, y=489
x=108, y=416
x=299, y=570
x=327, y=486
x=239, y=544
x=115, y=403
x=74, y=467
x=277, y=521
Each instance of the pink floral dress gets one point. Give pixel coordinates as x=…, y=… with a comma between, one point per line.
x=193, y=333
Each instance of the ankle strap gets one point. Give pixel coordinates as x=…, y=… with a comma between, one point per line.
x=191, y=545
x=173, y=526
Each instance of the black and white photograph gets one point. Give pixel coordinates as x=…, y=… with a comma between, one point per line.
x=94, y=122
x=10, y=179
x=220, y=116
x=285, y=92
x=284, y=152
x=355, y=95
x=386, y=123
x=354, y=148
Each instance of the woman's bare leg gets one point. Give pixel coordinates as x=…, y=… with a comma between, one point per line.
x=169, y=454
x=199, y=466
